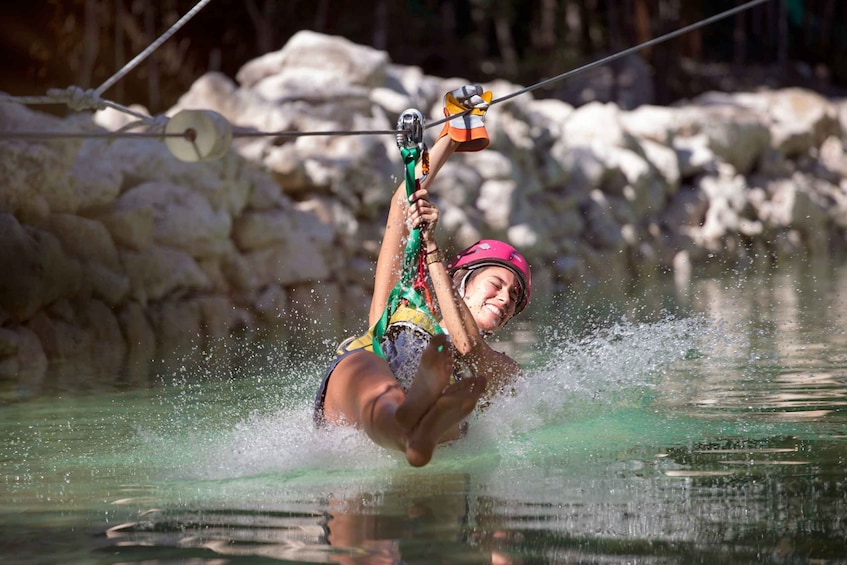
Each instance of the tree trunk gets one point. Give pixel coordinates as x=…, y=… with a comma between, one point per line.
x=546, y=37
x=91, y=46
x=380, y=36
x=152, y=60
x=692, y=45
x=120, y=56
x=782, y=34
x=506, y=43
x=320, y=16
x=668, y=19
x=643, y=31
x=827, y=20
x=739, y=40
x=615, y=28
x=263, y=23
x=585, y=13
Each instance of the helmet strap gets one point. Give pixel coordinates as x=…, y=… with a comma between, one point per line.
x=463, y=284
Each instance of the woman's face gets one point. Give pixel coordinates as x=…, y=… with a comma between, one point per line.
x=491, y=295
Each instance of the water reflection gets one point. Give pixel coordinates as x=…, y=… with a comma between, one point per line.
x=205, y=533
x=410, y=519
x=414, y=521
x=778, y=350
x=791, y=397
x=738, y=500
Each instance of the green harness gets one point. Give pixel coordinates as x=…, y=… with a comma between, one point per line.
x=411, y=290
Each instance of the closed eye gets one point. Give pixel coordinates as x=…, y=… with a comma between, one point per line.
x=498, y=283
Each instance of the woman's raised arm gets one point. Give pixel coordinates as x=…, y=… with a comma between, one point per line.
x=390, y=261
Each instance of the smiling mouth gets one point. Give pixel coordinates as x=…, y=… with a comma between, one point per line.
x=496, y=310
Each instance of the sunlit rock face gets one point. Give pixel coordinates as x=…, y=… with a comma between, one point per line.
x=121, y=262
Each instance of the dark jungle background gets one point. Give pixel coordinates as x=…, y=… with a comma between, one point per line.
x=57, y=43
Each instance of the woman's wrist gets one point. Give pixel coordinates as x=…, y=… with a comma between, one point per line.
x=433, y=255
x=429, y=244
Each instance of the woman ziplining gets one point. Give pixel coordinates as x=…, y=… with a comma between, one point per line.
x=411, y=380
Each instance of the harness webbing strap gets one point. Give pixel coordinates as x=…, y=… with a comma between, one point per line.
x=411, y=288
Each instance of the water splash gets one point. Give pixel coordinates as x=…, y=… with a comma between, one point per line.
x=611, y=369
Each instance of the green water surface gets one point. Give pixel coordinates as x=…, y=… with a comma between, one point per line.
x=656, y=424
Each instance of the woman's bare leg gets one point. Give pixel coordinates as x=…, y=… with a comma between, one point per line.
x=433, y=407
x=432, y=378
x=456, y=402
x=362, y=391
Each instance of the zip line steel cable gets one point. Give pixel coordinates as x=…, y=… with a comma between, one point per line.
x=78, y=99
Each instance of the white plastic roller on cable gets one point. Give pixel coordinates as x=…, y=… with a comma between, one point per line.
x=198, y=135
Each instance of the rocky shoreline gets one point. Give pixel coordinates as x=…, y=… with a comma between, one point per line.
x=121, y=262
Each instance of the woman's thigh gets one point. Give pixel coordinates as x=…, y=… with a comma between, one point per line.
x=356, y=381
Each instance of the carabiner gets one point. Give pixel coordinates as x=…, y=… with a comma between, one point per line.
x=410, y=129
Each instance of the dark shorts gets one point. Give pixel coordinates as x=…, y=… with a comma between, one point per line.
x=318, y=415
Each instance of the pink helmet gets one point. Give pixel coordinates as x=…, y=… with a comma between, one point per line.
x=490, y=252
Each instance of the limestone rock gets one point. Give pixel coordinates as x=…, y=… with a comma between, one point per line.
x=35, y=269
